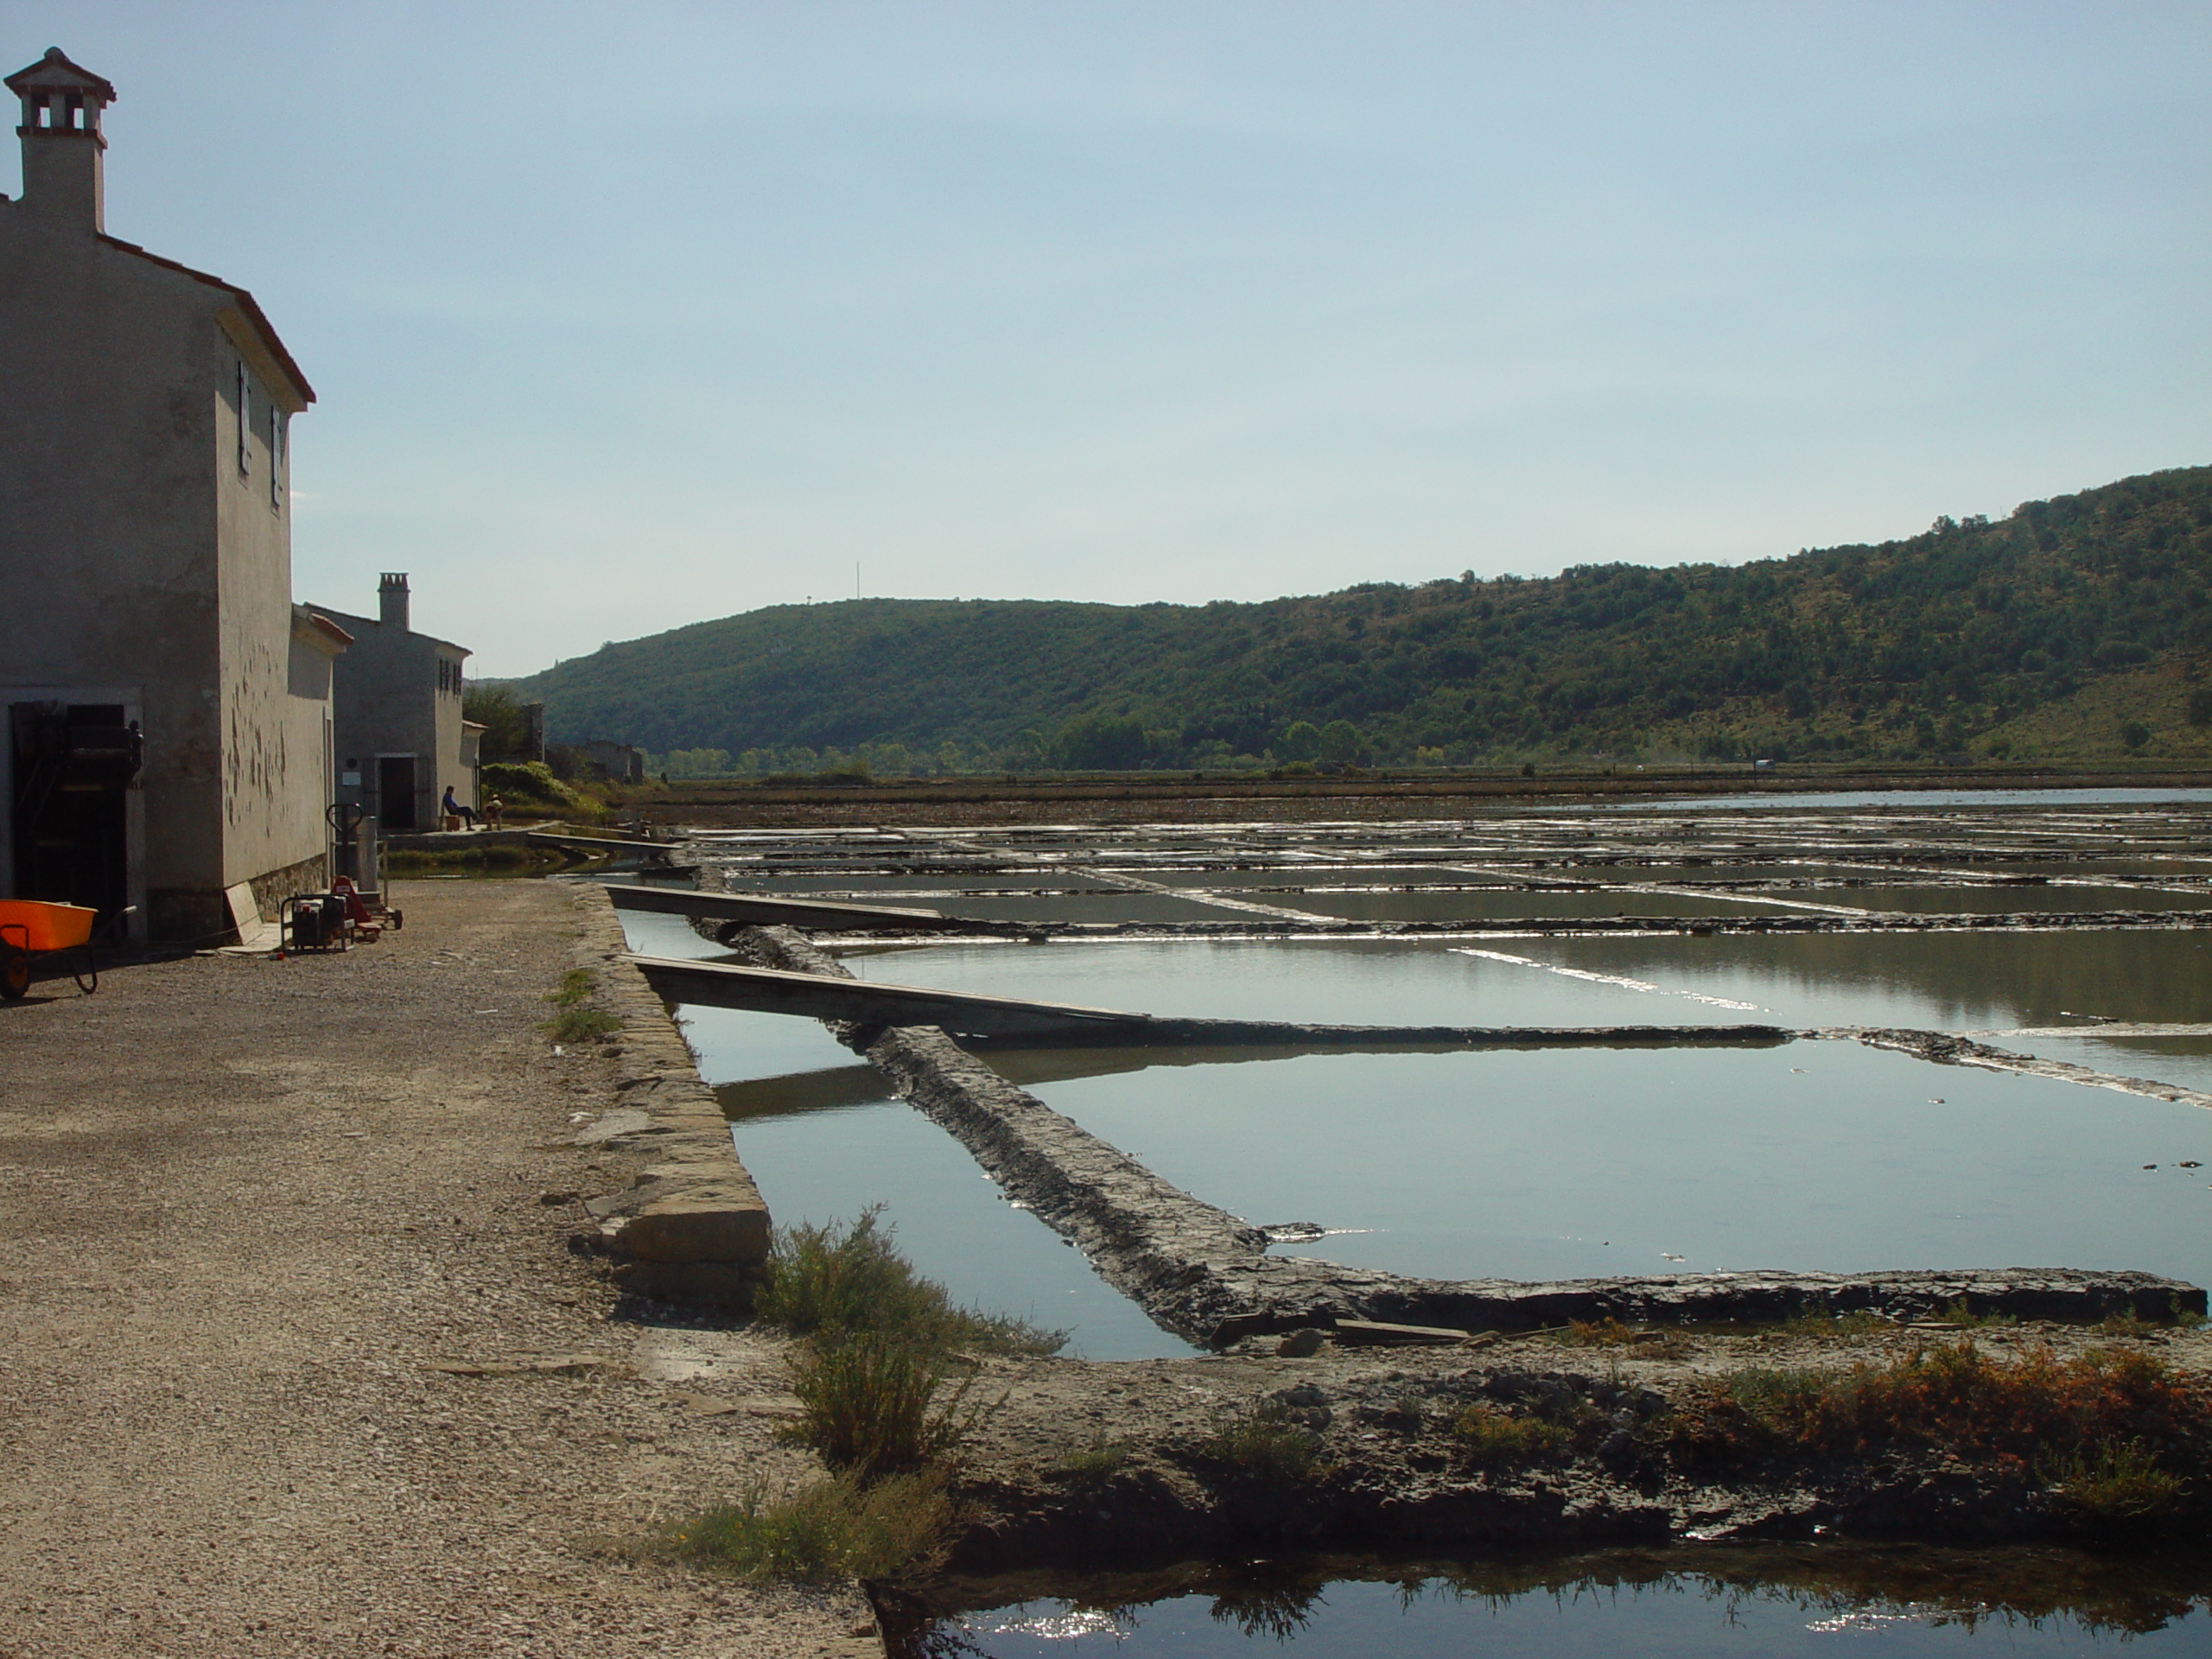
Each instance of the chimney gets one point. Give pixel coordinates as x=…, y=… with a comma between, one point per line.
x=391, y=599
x=62, y=145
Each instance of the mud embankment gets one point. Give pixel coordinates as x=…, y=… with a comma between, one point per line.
x=1645, y=1448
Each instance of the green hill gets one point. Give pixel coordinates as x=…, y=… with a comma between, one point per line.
x=1976, y=637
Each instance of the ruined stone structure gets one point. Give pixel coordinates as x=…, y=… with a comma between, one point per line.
x=169, y=733
x=620, y=762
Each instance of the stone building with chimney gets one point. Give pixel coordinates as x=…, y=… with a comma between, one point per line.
x=168, y=740
x=396, y=706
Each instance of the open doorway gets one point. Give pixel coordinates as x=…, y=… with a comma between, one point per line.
x=68, y=808
x=396, y=791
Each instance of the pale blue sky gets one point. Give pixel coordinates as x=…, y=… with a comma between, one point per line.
x=627, y=316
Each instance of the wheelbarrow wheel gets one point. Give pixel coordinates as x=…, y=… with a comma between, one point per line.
x=15, y=972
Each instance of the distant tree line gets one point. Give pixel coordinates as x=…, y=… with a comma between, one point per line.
x=1915, y=647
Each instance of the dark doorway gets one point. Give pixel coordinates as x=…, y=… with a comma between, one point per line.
x=396, y=791
x=73, y=764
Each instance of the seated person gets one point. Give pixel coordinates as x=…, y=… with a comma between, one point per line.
x=454, y=809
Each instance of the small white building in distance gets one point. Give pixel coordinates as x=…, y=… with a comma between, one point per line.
x=169, y=733
x=396, y=698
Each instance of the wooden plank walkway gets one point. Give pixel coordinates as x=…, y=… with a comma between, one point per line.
x=968, y=1013
x=772, y=990
x=773, y=910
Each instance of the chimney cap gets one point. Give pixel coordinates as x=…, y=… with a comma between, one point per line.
x=393, y=579
x=54, y=73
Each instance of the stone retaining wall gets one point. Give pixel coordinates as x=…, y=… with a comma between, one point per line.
x=690, y=1226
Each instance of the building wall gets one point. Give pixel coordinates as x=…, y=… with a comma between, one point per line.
x=274, y=685
x=387, y=700
x=128, y=563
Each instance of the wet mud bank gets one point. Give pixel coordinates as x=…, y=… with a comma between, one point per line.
x=1260, y=927
x=1644, y=1442
x=1944, y=1048
x=1206, y=1276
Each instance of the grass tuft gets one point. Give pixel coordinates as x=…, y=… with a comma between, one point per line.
x=870, y=1406
x=1100, y=1459
x=1264, y=1440
x=825, y=1532
x=838, y=1281
x=572, y=1021
x=2116, y=1482
x=1827, y=1326
x=575, y=985
x=1643, y=1342
x=1497, y=1440
x=1966, y=1319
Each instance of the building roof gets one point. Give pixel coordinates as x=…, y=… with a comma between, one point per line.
x=56, y=71
x=357, y=623
x=261, y=326
x=319, y=630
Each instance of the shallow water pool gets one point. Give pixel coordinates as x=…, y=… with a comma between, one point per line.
x=1927, y=1604
x=823, y=1139
x=1940, y=981
x=1574, y=1163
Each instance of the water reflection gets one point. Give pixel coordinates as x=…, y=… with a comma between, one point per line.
x=1941, y=980
x=1571, y=1163
x=1775, y=1600
x=1944, y=981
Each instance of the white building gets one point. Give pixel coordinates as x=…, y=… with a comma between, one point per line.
x=145, y=563
x=396, y=699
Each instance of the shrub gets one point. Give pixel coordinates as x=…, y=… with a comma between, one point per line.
x=501, y=856
x=1952, y=1396
x=1497, y=1439
x=870, y=1406
x=1264, y=1440
x=514, y=781
x=825, y=1532
x=840, y=1280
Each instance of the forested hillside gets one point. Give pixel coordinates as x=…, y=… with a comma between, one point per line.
x=1960, y=640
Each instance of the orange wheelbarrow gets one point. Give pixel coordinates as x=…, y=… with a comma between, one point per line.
x=31, y=928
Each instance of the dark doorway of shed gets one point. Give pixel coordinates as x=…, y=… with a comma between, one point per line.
x=395, y=790
x=73, y=764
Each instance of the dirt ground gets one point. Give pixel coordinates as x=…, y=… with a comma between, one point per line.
x=294, y=1356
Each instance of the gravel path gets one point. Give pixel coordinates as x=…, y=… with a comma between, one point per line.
x=259, y=1222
